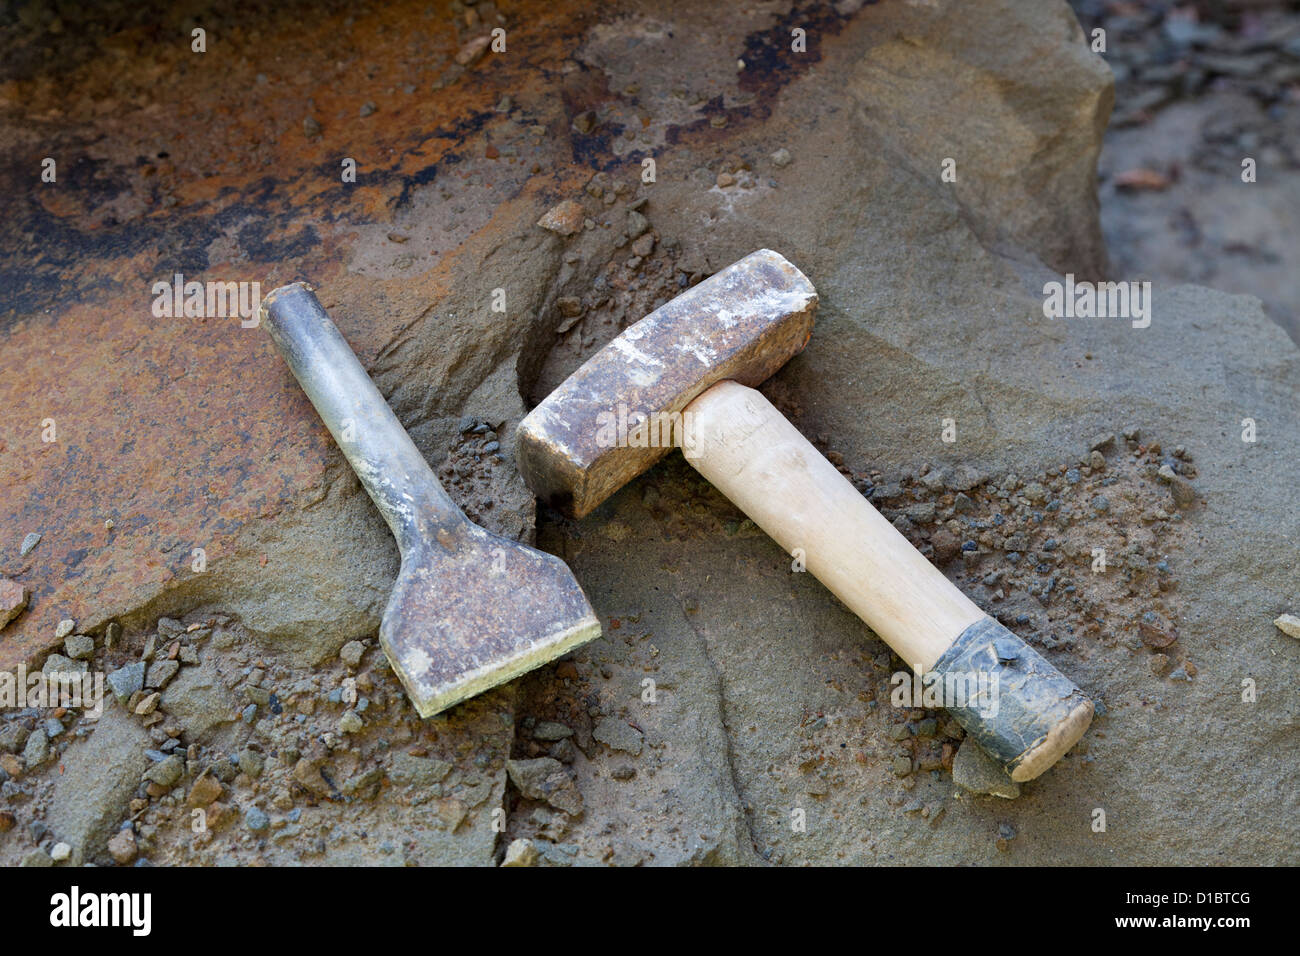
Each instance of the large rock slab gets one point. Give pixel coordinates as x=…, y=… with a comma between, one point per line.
x=765, y=734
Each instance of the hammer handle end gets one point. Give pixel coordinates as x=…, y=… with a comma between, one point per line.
x=754, y=456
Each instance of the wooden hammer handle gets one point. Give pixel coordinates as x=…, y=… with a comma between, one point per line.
x=734, y=437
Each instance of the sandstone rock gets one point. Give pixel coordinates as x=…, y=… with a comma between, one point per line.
x=200, y=700
x=549, y=730
x=618, y=735
x=37, y=749
x=976, y=771
x=100, y=774
x=122, y=847
x=521, y=852
x=931, y=307
x=1182, y=491
x=160, y=673
x=13, y=600
x=1036, y=185
x=636, y=224
x=251, y=762
x=13, y=735
x=450, y=812
x=408, y=771
x=1155, y=631
x=205, y=790
x=472, y=51
x=58, y=664
x=545, y=778
x=946, y=546
x=125, y=681
x=307, y=774
x=166, y=773
x=564, y=218
x=79, y=647
x=964, y=478
x=364, y=785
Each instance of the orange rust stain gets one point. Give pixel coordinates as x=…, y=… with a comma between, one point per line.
x=184, y=430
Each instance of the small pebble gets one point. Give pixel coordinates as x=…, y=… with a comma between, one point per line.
x=521, y=852
x=564, y=219
x=37, y=749
x=550, y=730
x=1006, y=833
x=79, y=647
x=636, y=224
x=351, y=653
x=122, y=848
x=251, y=762
x=1288, y=624
x=976, y=771
x=167, y=772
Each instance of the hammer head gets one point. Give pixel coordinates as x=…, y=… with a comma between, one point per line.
x=621, y=411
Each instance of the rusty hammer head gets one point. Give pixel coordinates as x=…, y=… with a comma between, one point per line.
x=615, y=416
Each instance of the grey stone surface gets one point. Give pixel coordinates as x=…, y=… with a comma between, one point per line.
x=199, y=699
x=923, y=317
x=974, y=770
x=765, y=732
x=100, y=776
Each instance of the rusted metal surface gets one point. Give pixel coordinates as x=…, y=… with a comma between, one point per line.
x=186, y=432
x=611, y=419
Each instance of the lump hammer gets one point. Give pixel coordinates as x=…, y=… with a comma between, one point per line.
x=689, y=368
x=470, y=609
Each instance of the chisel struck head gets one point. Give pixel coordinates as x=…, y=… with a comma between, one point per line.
x=470, y=609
